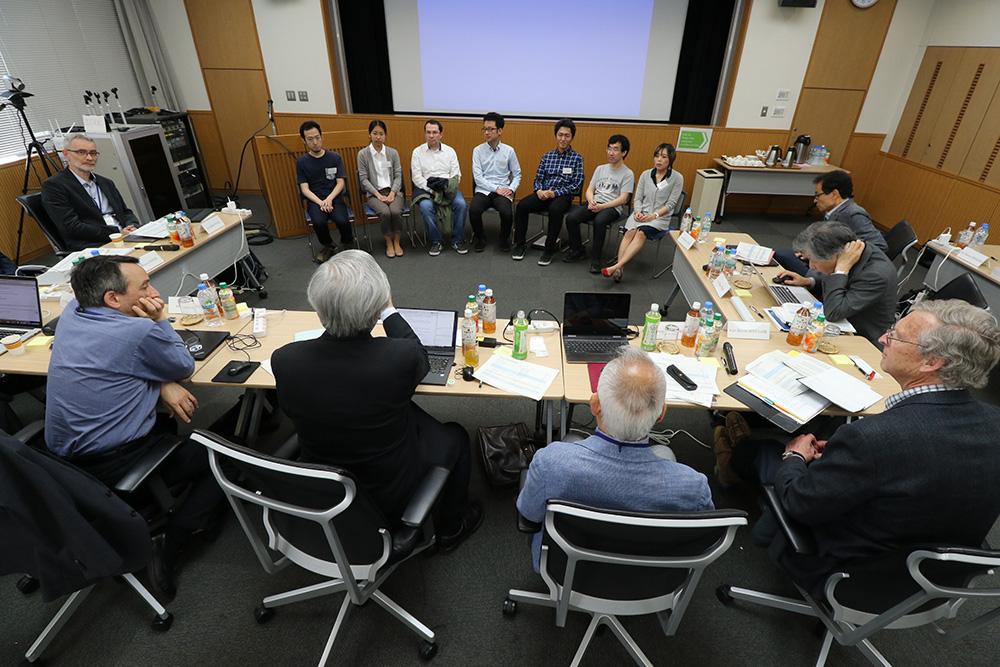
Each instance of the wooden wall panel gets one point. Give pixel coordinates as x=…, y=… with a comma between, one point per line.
x=847, y=45
x=864, y=159
x=212, y=151
x=965, y=202
x=33, y=242
x=828, y=116
x=225, y=34
x=908, y=190
x=981, y=161
x=236, y=101
x=927, y=97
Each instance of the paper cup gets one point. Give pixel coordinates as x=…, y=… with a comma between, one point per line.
x=13, y=344
x=116, y=240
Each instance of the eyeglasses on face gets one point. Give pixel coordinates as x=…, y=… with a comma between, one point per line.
x=83, y=153
x=892, y=330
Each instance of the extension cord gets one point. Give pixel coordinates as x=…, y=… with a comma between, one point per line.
x=260, y=322
x=542, y=326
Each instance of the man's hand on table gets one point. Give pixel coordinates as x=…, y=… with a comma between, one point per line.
x=795, y=279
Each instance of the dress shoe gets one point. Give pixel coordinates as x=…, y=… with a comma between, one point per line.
x=160, y=570
x=595, y=266
x=575, y=255
x=326, y=253
x=737, y=428
x=723, y=452
x=472, y=518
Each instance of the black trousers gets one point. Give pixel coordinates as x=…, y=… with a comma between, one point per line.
x=338, y=216
x=556, y=208
x=447, y=445
x=600, y=221
x=481, y=203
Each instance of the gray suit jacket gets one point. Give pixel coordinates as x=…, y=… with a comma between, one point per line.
x=865, y=297
x=366, y=170
x=922, y=472
x=858, y=219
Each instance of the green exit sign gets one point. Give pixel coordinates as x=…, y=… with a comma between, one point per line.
x=694, y=139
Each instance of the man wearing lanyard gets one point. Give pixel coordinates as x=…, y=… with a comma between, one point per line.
x=85, y=208
x=616, y=468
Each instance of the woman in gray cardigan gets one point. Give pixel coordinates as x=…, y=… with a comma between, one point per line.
x=656, y=195
x=382, y=178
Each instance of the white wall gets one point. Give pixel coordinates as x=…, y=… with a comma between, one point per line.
x=775, y=55
x=964, y=23
x=293, y=43
x=182, y=59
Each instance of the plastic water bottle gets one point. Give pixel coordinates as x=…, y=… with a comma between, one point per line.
x=706, y=228
x=210, y=284
x=489, y=313
x=480, y=295
x=716, y=262
x=706, y=313
x=691, y=322
x=966, y=235
x=695, y=228
x=651, y=328
x=206, y=298
x=979, y=238
x=813, y=334
x=185, y=233
x=471, y=303
x=175, y=236
x=798, y=326
x=708, y=336
x=470, y=346
x=686, y=220
x=228, y=302
x=520, y=336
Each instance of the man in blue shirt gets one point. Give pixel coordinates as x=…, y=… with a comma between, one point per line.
x=616, y=468
x=496, y=174
x=321, y=178
x=115, y=357
x=559, y=177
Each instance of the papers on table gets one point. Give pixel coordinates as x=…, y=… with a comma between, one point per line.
x=849, y=393
x=157, y=229
x=518, y=377
x=66, y=263
x=755, y=254
x=801, y=407
x=701, y=374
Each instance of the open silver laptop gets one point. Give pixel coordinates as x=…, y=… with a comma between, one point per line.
x=20, y=306
x=436, y=331
x=785, y=293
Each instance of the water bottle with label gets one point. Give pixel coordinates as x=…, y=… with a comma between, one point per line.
x=651, y=327
x=489, y=313
x=966, y=235
x=813, y=334
x=798, y=326
x=686, y=220
x=729, y=267
x=470, y=346
x=480, y=295
x=695, y=228
x=706, y=313
x=716, y=262
x=691, y=322
x=520, y=336
x=706, y=228
x=979, y=238
x=211, y=310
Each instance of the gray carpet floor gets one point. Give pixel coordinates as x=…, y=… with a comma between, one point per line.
x=458, y=595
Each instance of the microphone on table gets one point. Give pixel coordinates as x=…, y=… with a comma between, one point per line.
x=169, y=246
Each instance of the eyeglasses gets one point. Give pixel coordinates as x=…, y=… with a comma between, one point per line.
x=891, y=330
x=83, y=153
x=614, y=149
x=818, y=195
x=490, y=129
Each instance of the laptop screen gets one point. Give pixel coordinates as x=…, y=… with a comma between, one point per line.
x=595, y=314
x=434, y=328
x=20, y=305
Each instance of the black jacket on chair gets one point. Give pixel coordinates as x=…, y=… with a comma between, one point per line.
x=76, y=215
x=350, y=400
x=62, y=526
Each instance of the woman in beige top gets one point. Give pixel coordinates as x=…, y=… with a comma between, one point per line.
x=382, y=179
x=657, y=192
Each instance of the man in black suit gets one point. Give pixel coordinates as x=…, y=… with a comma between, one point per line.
x=924, y=471
x=85, y=207
x=350, y=397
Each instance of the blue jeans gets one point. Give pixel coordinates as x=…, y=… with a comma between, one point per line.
x=458, y=207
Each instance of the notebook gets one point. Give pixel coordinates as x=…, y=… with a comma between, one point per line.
x=20, y=305
x=436, y=331
x=595, y=325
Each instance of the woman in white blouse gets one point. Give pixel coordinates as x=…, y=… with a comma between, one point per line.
x=382, y=178
x=656, y=195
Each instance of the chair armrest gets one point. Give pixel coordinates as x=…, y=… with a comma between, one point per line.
x=290, y=450
x=148, y=463
x=424, y=497
x=30, y=432
x=802, y=543
x=31, y=270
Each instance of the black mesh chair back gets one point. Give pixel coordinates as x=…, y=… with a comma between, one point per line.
x=32, y=205
x=963, y=287
x=899, y=239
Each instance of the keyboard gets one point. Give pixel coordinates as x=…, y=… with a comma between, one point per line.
x=440, y=365
x=11, y=332
x=593, y=346
x=783, y=294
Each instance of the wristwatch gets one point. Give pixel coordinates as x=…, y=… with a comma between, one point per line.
x=790, y=453
x=840, y=273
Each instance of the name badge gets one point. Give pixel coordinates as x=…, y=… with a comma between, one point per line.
x=331, y=173
x=110, y=221
x=662, y=184
x=567, y=170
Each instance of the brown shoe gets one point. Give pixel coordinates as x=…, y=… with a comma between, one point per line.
x=723, y=451
x=326, y=253
x=737, y=428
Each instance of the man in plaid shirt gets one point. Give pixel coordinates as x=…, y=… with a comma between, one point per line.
x=559, y=178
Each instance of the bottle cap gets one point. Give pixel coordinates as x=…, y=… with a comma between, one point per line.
x=95, y=253
x=708, y=304
x=654, y=306
x=202, y=286
x=806, y=304
x=204, y=277
x=489, y=292
x=482, y=287
x=520, y=314
x=223, y=285
x=696, y=305
x=821, y=318
x=817, y=305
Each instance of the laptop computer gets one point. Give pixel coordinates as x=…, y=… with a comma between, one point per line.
x=20, y=306
x=595, y=325
x=436, y=331
x=785, y=293
x=202, y=343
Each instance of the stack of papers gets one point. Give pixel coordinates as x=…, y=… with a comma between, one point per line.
x=518, y=377
x=755, y=254
x=700, y=373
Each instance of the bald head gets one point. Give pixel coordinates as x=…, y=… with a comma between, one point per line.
x=630, y=395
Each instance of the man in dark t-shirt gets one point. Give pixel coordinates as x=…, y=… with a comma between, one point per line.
x=320, y=175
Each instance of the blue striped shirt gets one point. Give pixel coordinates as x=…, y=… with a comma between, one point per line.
x=495, y=168
x=560, y=172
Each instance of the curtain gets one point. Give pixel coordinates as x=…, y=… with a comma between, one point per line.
x=147, y=56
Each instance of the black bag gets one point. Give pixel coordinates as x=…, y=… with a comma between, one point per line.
x=506, y=452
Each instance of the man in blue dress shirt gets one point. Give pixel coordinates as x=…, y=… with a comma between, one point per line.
x=496, y=174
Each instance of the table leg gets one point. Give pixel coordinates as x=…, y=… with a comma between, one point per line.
x=248, y=422
x=548, y=422
x=564, y=410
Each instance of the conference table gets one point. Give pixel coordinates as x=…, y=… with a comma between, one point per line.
x=947, y=266
x=794, y=181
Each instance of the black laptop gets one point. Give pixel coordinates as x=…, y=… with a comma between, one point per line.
x=595, y=325
x=202, y=343
x=436, y=331
x=20, y=305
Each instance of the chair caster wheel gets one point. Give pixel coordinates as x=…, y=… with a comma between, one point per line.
x=427, y=650
x=263, y=614
x=162, y=624
x=722, y=592
x=509, y=607
x=262, y=294
x=28, y=585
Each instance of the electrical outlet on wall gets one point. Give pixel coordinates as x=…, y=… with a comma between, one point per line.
x=763, y=112
x=778, y=112
x=290, y=95
x=783, y=94
x=303, y=96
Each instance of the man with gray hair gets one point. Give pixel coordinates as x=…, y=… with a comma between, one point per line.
x=857, y=280
x=924, y=471
x=616, y=468
x=84, y=207
x=350, y=396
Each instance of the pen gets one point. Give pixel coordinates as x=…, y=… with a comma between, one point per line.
x=756, y=311
x=868, y=376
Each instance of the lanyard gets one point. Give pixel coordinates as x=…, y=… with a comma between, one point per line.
x=620, y=443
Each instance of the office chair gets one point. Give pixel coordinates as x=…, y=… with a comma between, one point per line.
x=611, y=563
x=907, y=588
x=675, y=223
x=32, y=205
x=309, y=227
x=408, y=225
x=68, y=532
x=962, y=287
x=534, y=241
x=321, y=519
x=900, y=239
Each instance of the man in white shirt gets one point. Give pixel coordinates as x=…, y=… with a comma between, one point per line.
x=436, y=161
x=496, y=174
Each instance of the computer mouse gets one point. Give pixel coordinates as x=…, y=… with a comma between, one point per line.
x=781, y=280
x=238, y=368
x=467, y=373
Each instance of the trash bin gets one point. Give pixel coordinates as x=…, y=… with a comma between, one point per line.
x=707, y=191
